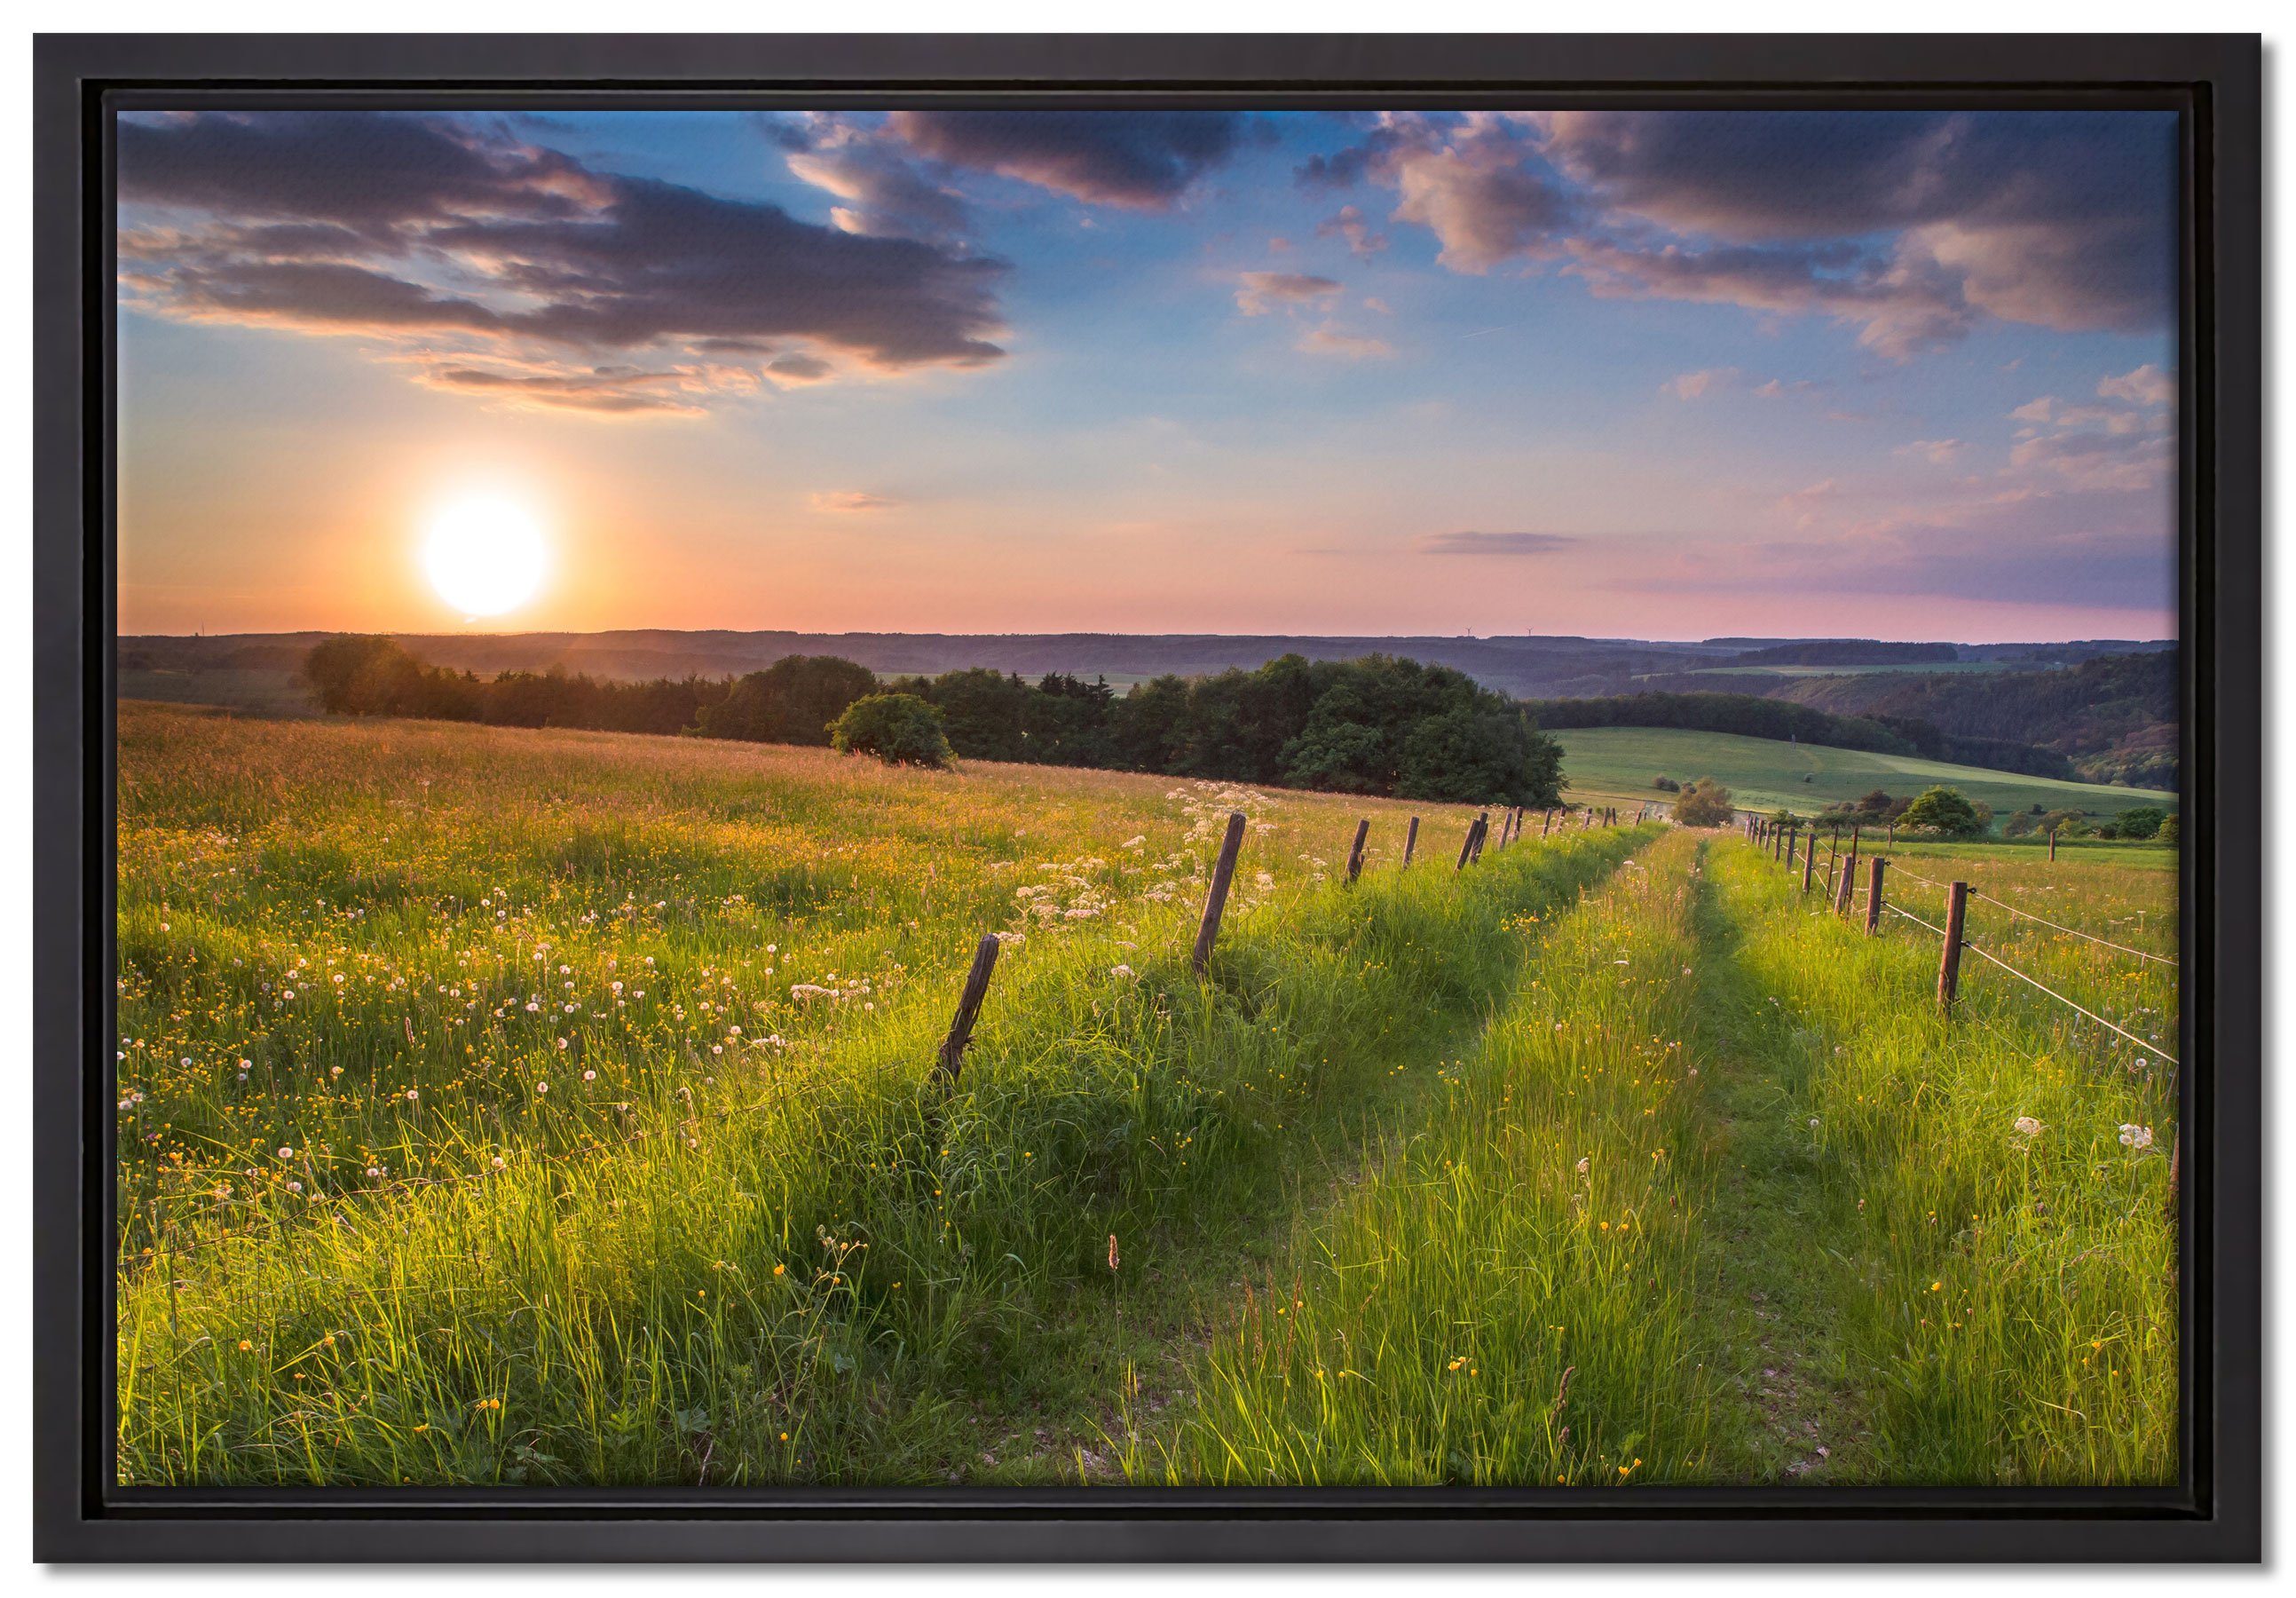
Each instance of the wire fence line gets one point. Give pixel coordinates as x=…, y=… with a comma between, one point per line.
x=1983, y=952
x=2073, y=931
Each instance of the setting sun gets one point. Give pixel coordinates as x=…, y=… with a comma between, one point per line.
x=486, y=555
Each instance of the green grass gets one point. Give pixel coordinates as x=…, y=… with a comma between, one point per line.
x=2003, y=1297
x=1504, y=1299
x=1810, y=1241
x=1766, y=774
x=554, y=1107
x=514, y=1106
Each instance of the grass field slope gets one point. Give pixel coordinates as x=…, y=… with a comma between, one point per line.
x=500, y=1105
x=1766, y=774
x=533, y=1108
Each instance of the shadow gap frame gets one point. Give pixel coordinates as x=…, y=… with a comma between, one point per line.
x=2212, y=1513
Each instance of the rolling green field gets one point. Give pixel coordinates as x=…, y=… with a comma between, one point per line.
x=532, y=1107
x=1764, y=774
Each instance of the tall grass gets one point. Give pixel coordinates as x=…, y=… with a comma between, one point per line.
x=1998, y=1235
x=1504, y=1299
x=554, y=1107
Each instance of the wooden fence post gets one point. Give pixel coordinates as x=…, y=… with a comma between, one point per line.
x=1482, y=836
x=1956, y=906
x=1411, y=840
x=968, y=1006
x=2053, y=845
x=1874, y=895
x=1466, y=847
x=1893, y=833
x=1216, y=900
x=1808, y=862
x=1354, y=854
x=1842, y=889
x=1547, y=825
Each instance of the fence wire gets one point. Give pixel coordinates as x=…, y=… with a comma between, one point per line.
x=1983, y=953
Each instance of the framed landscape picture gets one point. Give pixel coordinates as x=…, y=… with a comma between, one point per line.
x=1148, y=798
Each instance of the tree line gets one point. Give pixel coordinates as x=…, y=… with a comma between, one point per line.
x=1380, y=725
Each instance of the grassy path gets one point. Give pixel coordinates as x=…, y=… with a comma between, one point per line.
x=1718, y=1196
x=1501, y=1298
x=1773, y=1280
x=1939, y=1248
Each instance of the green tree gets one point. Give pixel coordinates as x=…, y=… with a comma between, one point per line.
x=2172, y=832
x=2143, y=822
x=792, y=700
x=361, y=676
x=1947, y=813
x=1666, y=784
x=900, y=729
x=1705, y=802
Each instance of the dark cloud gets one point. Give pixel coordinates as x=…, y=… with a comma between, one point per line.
x=370, y=172
x=1492, y=543
x=393, y=226
x=2065, y=220
x=883, y=192
x=1143, y=159
x=664, y=262
x=798, y=368
x=1911, y=226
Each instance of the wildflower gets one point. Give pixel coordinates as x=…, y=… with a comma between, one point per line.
x=2137, y=1137
x=2028, y=1127
x=1584, y=1163
x=245, y=1346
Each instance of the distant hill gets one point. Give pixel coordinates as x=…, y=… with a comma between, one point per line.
x=1848, y=652
x=1524, y=665
x=1619, y=763
x=2113, y=716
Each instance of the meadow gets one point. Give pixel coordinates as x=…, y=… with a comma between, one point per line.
x=1619, y=763
x=558, y=1108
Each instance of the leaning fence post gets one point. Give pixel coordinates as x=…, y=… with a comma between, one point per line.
x=968, y=1006
x=1466, y=848
x=1957, y=905
x=1216, y=900
x=1410, y=840
x=1874, y=895
x=1841, y=891
x=1483, y=835
x=1354, y=854
x=1547, y=825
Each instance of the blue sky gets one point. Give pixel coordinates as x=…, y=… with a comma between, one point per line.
x=1643, y=373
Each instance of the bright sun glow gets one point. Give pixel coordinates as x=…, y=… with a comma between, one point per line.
x=486, y=555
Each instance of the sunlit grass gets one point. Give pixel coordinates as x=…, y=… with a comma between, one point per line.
x=544, y=1107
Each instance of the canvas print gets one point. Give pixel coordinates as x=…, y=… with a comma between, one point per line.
x=908, y=797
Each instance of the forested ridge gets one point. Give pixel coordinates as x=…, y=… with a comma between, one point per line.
x=1379, y=724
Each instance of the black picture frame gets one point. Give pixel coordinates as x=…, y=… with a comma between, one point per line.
x=2213, y=1513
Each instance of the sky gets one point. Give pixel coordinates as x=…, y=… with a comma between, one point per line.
x=1671, y=373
